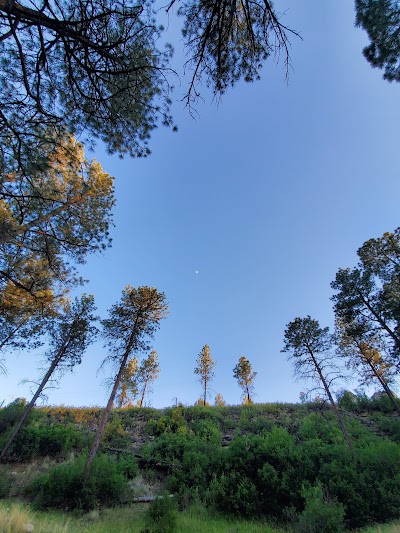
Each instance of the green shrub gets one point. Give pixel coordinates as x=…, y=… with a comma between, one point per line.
x=161, y=516
x=390, y=426
x=347, y=400
x=208, y=431
x=115, y=436
x=320, y=514
x=173, y=422
x=35, y=441
x=127, y=465
x=5, y=482
x=236, y=494
x=63, y=486
x=10, y=414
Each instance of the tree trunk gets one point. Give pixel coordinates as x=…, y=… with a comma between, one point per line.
x=333, y=404
x=143, y=393
x=384, y=386
x=106, y=414
x=30, y=405
x=248, y=393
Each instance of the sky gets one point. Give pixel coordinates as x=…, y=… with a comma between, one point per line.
x=243, y=217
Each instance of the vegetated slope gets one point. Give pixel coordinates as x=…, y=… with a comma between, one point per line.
x=283, y=461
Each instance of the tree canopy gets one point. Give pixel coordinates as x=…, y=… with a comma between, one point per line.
x=52, y=215
x=381, y=20
x=95, y=65
x=86, y=65
x=367, y=297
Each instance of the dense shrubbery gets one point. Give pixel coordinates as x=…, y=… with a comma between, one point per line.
x=277, y=461
x=40, y=441
x=63, y=487
x=359, y=403
x=161, y=516
x=9, y=415
x=5, y=482
x=320, y=513
x=264, y=474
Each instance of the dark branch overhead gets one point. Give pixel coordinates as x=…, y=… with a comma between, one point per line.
x=94, y=66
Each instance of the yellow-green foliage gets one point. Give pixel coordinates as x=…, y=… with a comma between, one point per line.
x=128, y=519
x=14, y=518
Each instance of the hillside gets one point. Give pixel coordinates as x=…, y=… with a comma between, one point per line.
x=284, y=462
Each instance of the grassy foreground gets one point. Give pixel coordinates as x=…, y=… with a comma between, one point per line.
x=19, y=518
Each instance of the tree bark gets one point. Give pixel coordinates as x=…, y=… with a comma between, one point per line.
x=143, y=393
x=104, y=419
x=384, y=385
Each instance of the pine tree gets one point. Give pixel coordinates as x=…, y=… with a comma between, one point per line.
x=70, y=332
x=243, y=373
x=147, y=374
x=219, y=400
x=310, y=349
x=129, y=388
x=132, y=321
x=204, y=369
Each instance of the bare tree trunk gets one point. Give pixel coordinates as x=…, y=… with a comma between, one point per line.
x=106, y=414
x=30, y=405
x=248, y=393
x=384, y=386
x=333, y=403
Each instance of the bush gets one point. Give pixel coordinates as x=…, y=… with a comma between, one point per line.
x=10, y=415
x=319, y=513
x=115, y=436
x=161, y=516
x=127, y=465
x=63, y=486
x=234, y=493
x=5, y=482
x=347, y=400
x=33, y=441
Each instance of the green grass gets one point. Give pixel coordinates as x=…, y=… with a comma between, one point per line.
x=118, y=520
x=384, y=528
x=15, y=517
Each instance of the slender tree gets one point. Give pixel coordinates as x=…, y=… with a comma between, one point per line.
x=69, y=335
x=128, y=389
x=205, y=370
x=131, y=323
x=243, y=373
x=310, y=349
x=147, y=374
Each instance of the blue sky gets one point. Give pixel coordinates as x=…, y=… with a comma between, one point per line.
x=266, y=195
